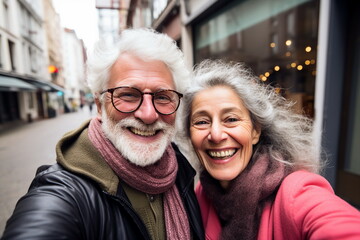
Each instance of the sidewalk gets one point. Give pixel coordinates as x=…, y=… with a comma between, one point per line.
x=25, y=147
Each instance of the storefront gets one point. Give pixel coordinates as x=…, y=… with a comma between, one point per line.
x=277, y=39
x=28, y=99
x=15, y=97
x=310, y=51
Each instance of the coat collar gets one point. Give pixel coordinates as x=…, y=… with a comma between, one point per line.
x=76, y=153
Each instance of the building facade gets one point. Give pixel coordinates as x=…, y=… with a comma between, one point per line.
x=42, y=65
x=308, y=49
x=26, y=89
x=20, y=56
x=54, y=58
x=73, y=70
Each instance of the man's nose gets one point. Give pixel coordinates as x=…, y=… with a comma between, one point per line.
x=146, y=112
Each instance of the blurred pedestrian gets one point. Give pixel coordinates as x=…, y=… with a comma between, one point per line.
x=90, y=103
x=259, y=177
x=119, y=176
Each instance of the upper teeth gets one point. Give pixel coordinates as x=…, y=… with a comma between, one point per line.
x=143, y=133
x=222, y=154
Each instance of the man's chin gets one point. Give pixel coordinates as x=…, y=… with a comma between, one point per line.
x=143, y=154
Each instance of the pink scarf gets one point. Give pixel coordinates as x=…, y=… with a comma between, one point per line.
x=154, y=179
x=240, y=206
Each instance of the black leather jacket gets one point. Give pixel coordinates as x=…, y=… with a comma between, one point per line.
x=61, y=204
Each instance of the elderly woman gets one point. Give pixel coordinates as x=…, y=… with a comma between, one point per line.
x=260, y=167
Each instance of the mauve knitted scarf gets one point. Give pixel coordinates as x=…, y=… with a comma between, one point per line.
x=154, y=179
x=240, y=206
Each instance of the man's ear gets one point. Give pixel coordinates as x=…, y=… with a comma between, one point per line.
x=98, y=106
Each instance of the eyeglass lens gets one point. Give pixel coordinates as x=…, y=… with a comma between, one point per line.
x=129, y=99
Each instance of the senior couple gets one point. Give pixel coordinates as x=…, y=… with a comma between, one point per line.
x=121, y=176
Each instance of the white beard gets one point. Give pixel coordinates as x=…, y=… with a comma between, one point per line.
x=139, y=153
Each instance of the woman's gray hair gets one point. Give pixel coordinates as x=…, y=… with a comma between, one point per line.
x=147, y=44
x=287, y=136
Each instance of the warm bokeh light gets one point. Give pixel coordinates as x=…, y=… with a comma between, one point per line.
x=299, y=67
x=308, y=49
x=262, y=77
x=288, y=42
x=277, y=68
x=293, y=65
x=52, y=69
x=307, y=62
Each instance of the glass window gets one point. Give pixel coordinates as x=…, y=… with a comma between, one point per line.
x=352, y=163
x=11, y=45
x=277, y=39
x=345, y=46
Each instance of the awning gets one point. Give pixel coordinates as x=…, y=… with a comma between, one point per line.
x=56, y=88
x=14, y=84
x=45, y=85
x=41, y=85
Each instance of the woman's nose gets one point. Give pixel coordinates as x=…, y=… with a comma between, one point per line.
x=217, y=133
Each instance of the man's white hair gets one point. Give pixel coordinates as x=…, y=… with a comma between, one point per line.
x=147, y=44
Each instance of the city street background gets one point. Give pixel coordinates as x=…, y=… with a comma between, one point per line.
x=291, y=45
x=26, y=147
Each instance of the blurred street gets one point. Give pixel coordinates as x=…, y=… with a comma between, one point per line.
x=24, y=148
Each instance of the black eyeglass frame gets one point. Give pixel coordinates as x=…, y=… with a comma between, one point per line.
x=111, y=90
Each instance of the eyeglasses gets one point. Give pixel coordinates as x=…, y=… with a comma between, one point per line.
x=129, y=99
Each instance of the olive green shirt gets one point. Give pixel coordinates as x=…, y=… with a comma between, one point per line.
x=150, y=209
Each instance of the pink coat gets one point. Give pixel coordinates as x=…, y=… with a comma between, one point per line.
x=305, y=207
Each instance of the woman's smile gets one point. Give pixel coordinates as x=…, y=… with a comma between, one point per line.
x=221, y=154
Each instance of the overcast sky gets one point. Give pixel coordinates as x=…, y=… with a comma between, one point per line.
x=81, y=16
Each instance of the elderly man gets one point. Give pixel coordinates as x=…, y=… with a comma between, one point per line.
x=119, y=176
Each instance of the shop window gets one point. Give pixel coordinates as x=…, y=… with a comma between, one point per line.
x=348, y=171
x=278, y=41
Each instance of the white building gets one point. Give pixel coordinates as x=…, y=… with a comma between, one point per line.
x=74, y=68
x=22, y=51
